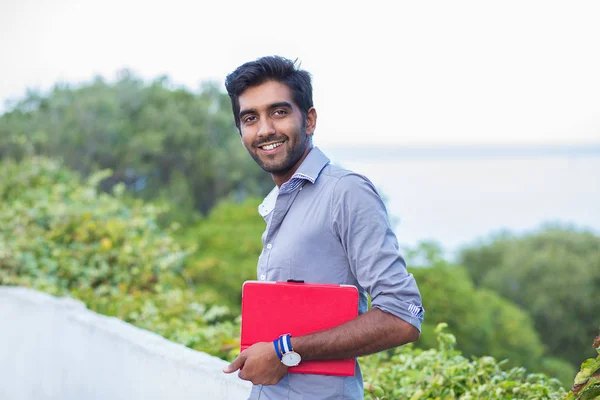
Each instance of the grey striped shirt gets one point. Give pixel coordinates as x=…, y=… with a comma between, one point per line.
x=329, y=225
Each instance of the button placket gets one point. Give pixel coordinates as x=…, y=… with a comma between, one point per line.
x=280, y=209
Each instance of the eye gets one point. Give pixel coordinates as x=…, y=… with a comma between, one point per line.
x=280, y=112
x=249, y=119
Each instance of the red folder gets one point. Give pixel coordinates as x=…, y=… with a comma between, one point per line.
x=270, y=309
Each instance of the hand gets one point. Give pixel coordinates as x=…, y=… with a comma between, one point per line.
x=260, y=364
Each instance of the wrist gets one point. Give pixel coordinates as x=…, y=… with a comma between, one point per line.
x=277, y=348
x=285, y=352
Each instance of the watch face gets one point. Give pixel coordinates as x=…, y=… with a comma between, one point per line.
x=291, y=359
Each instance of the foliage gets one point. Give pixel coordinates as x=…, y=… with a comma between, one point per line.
x=486, y=323
x=557, y=368
x=62, y=236
x=482, y=321
x=443, y=373
x=227, y=248
x=587, y=381
x=554, y=274
x=162, y=142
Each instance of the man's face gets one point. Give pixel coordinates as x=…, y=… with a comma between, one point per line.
x=273, y=129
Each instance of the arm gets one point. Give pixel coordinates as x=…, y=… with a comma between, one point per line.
x=359, y=221
x=369, y=333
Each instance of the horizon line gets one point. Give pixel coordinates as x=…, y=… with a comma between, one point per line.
x=474, y=150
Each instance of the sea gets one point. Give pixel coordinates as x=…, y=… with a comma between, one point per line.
x=460, y=196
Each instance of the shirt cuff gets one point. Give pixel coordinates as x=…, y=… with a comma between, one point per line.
x=411, y=313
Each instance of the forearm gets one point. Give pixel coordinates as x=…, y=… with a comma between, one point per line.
x=369, y=333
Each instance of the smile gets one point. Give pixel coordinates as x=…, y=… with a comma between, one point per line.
x=271, y=146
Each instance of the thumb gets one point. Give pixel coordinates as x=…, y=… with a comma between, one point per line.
x=235, y=364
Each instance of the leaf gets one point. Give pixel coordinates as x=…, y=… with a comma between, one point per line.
x=588, y=368
x=590, y=393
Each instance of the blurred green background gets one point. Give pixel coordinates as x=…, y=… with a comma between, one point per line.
x=138, y=199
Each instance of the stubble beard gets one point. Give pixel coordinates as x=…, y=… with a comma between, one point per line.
x=292, y=155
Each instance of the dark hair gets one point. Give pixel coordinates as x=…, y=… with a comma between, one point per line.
x=270, y=68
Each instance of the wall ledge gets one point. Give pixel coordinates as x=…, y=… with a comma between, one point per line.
x=55, y=348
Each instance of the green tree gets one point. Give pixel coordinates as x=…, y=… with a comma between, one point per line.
x=161, y=141
x=554, y=274
x=483, y=322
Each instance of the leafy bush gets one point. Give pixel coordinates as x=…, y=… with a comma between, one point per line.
x=62, y=236
x=443, y=373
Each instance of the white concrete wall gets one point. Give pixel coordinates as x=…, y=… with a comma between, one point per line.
x=54, y=348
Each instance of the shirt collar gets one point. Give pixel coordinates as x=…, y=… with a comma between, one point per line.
x=312, y=165
x=309, y=170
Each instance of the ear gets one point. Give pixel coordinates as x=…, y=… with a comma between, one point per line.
x=311, y=121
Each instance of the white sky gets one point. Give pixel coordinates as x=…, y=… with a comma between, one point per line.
x=383, y=72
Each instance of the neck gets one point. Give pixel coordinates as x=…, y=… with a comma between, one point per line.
x=280, y=179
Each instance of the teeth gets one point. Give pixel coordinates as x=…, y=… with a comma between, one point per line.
x=272, y=146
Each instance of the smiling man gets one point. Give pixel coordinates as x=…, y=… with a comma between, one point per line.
x=276, y=132
x=324, y=224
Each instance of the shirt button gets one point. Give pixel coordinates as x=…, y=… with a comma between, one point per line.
x=269, y=246
x=262, y=277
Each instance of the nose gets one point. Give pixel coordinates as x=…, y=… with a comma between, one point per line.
x=266, y=127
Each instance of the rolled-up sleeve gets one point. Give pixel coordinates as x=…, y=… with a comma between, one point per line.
x=360, y=220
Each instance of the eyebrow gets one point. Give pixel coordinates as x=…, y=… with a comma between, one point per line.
x=280, y=104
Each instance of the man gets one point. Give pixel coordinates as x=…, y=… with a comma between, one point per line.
x=324, y=225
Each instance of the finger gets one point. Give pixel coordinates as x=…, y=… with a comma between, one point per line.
x=235, y=364
x=242, y=375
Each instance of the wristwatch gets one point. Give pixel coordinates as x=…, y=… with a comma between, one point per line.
x=283, y=348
